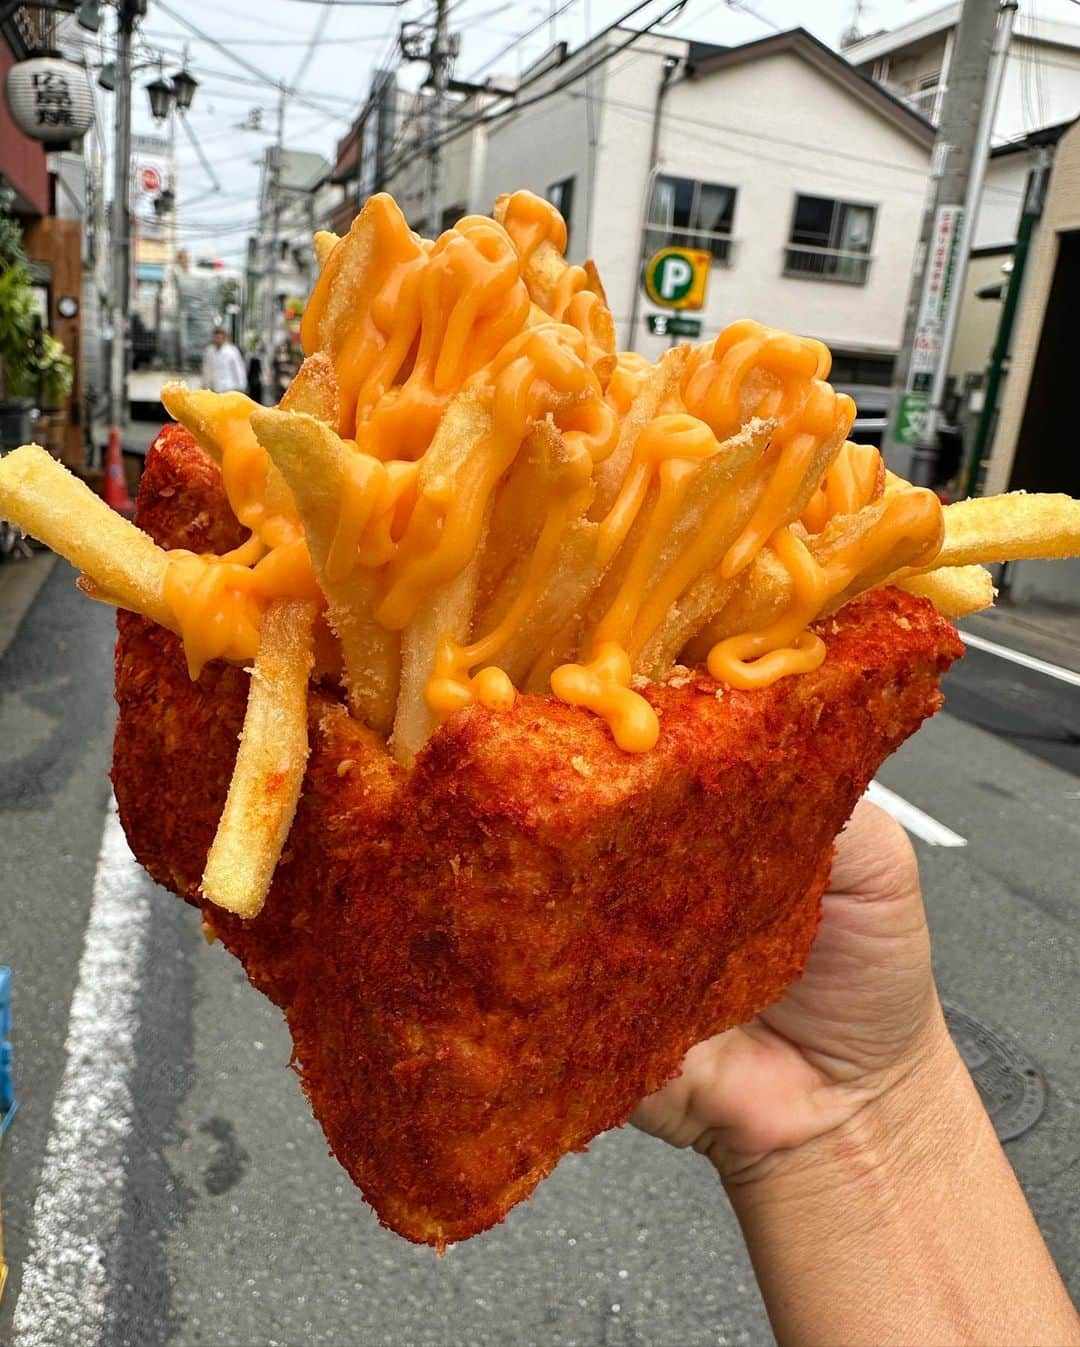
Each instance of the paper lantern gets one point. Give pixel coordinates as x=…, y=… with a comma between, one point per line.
x=50, y=99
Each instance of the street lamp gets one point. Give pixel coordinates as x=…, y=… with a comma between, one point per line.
x=184, y=85
x=162, y=97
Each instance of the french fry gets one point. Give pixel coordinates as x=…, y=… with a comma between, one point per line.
x=719, y=500
x=213, y=418
x=659, y=386
x=681, y=612
x=315, y=390
x=447, y=614
x=1012, y=527
x=317, y=466
x=955, y=591
x=49, y=503
x=338, y=321
x=765, y=590
x=559, y=575
x=323, y=242
x=221, y=422
x=543, y=272
x=270, y=764
x=457, y=458
x=750, y=602
x=517, y=514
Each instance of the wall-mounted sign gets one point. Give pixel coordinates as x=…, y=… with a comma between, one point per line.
x=673, y=325
x=50, y=99
x=677, y=277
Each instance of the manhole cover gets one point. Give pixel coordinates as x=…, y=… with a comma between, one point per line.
x=1009, y=1082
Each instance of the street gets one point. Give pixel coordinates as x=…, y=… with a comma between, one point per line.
x=165, y=1183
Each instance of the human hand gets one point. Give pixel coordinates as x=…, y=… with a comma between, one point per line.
x=864, y=1016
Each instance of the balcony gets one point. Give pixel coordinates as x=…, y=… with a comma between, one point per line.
x=704, y=240
x=826, y=264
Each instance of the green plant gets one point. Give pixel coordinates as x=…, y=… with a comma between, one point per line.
x=18, y=319
x=54, y=372
x=33, y=363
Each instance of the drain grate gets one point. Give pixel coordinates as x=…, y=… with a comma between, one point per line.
x=1011, y=1085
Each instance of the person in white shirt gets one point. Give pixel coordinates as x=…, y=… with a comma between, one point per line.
x=223, y=365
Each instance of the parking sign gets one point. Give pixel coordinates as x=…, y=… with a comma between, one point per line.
x=676, y=277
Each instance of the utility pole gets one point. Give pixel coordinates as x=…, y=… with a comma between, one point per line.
x=958, y=165
x=277, y=154
x=127, y=13
x=439, y=58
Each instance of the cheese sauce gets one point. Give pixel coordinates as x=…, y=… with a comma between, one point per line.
x=491, y=310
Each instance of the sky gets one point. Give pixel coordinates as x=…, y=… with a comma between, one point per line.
x=328, y=51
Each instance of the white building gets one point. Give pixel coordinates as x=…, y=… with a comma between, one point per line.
x=805, y=180
x=1041, y=85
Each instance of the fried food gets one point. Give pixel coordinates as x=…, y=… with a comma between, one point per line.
x=270, y=763
x=487, y=960
x=955, y=591
x=404, y=698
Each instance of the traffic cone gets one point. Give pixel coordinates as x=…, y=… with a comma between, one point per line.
x=115, y=487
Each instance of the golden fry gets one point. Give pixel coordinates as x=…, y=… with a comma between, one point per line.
x=660, y=385
x=324, y=243
x=955, y=591
x=270, y=764
x=315, y=390
x=1010, y=528
x=318, y=466
x=49, y=503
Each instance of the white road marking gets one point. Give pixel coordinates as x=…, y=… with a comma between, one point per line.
x=82, y=1187
x=1019, y=657
x=913, y=818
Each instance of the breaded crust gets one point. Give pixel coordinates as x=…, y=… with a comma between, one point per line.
x=486, y=962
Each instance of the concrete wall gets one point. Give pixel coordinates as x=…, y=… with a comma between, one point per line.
x=977, y=325
x=1041, y=88
x=1002, y=199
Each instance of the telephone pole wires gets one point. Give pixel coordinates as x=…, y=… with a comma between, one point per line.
x=958, y=166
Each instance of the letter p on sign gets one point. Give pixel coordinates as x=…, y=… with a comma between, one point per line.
x=677, y=277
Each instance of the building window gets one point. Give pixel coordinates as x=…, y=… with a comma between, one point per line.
x=561, y=196
x=923, y=94
x=688, y=214
x=830, y=240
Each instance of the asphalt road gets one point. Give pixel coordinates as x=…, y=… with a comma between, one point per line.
x=187, y=1198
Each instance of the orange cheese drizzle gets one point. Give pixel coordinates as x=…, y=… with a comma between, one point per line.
x=420, y=321
x=756, y=659
x=724, y=386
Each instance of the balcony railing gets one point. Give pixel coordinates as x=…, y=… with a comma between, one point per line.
x=826, y=264
x=707, y=240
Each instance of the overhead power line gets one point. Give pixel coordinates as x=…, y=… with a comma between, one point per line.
x=524, y=37
x=517, y=105
x=360, y=41
x=312, y=44
x=260, y=75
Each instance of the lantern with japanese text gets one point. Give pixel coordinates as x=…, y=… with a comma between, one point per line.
x=50, y=99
